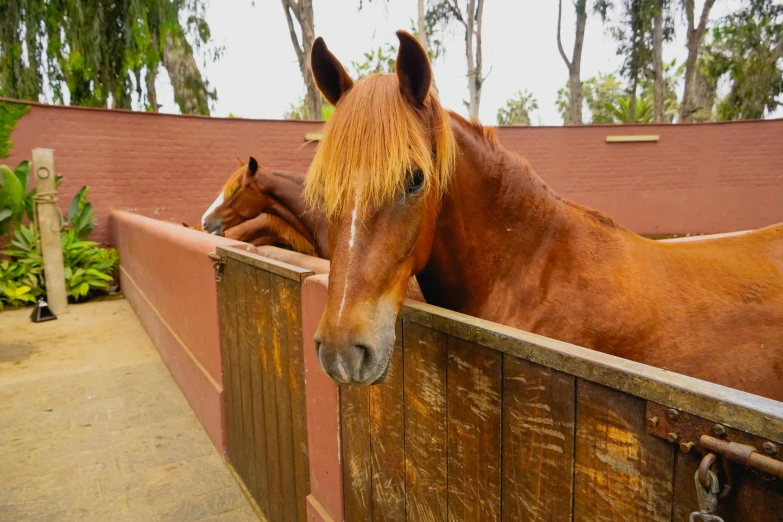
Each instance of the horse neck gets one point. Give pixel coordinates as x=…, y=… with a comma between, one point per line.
x=286, y=188
x=496, y=218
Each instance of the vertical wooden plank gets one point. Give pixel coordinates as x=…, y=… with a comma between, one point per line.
x=425, y=423
x=285, y=428
x=622, y=472
x=752, y=497
x=227, y=346
x=357, y=453
x=474, y=436
x=247, y=466
x=233, y=277
x=269, y=390
x=258, y=322
x=387, y=432
x=538, y=442
x=296, y=383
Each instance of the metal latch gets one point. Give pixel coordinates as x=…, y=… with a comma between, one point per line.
x=218, y=262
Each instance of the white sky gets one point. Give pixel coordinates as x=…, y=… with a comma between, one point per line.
x=258, y=76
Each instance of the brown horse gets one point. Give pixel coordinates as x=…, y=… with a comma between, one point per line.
x=265, y=207
x=410, y=188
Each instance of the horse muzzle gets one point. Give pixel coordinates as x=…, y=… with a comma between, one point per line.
x=214, y=226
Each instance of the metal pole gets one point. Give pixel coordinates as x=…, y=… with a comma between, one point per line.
x=49, y=227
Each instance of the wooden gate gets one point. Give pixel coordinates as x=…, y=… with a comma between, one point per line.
x=480, y=422
x=263, y=379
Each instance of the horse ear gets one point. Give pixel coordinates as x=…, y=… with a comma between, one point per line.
x=413, y=69
x=329, y=74
x=252, y=166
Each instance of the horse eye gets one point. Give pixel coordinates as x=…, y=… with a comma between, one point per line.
x=415, y=182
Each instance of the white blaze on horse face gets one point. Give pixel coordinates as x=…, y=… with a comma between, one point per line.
x=215, y=204
x=351, y=242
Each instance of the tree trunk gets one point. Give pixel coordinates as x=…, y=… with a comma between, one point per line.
x=574, y=65
x=473, y=32
x=422, y=27
x=695, y=37
x=302, y=11
x=658, y=82
x=632, y=101
x=152, y=93
x=190, y=90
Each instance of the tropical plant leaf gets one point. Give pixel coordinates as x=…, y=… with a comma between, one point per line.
x=21, y=173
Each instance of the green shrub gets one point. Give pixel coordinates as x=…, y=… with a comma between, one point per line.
x=89, y=269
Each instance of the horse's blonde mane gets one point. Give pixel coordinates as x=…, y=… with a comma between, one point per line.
x=369, y=145
x=233, y=182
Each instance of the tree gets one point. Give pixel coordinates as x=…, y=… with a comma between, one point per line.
x=470, y=16
x=518, y=108
x=695, y=36
x=302, y=12
x=574, y=110
x=632, y=34
x=98, y=51
x=746, y=49
x=379, y=60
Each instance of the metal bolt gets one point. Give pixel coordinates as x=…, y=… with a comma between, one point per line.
x=770, y=448
x=673, y=414
x=719, y=430
x=672, y=437
x=653, y=422
x=685, y=447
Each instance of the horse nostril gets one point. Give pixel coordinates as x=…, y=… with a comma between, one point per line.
x=365, y=354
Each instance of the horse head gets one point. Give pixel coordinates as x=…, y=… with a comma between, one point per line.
x=380, y=170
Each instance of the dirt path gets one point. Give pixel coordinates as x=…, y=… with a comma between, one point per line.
x=93, y=427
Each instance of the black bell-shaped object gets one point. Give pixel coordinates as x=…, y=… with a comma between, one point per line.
x=42, y=312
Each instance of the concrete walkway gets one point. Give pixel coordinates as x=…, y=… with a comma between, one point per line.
x=93, y=428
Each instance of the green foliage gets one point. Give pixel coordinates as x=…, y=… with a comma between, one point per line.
x=97, y=49
x=747, y=50
x=518, y=108
x=380, y=60
x=81, y=217
x=10, y=113
x=299, y=111
x=89, y=269
x=15, y=200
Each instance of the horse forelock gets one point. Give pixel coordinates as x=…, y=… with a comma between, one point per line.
x=370, y=144
x=233, y=182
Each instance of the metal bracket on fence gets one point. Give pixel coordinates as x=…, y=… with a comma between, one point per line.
x=690, y=432
x=218, y=261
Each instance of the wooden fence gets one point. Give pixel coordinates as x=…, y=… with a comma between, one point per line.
x=263, y=379
x=477, y=422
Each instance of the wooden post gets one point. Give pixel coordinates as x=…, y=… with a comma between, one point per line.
x=49, y=227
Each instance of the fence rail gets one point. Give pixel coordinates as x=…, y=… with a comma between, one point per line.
x=475, y=421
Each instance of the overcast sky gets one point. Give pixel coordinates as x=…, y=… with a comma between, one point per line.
x=258, y=76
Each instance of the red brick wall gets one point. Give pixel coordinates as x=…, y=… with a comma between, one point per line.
x=697, y=178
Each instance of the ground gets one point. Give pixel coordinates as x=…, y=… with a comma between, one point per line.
x=93, y=427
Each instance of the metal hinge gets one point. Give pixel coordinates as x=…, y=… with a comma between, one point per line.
x=690, y=432
x=218, y=262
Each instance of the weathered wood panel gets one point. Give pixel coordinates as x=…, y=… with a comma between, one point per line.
x=426, y=419
x=269, y=393
x=281, y=301
x=357, y=452
x=622, y=472
x=296, y=379
x=474, y=431
x=227, y=332
x=387, y=430
x=247, y=469
x=233, y=282
x=538, y=442
x=258, y=319
x=260, y=307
